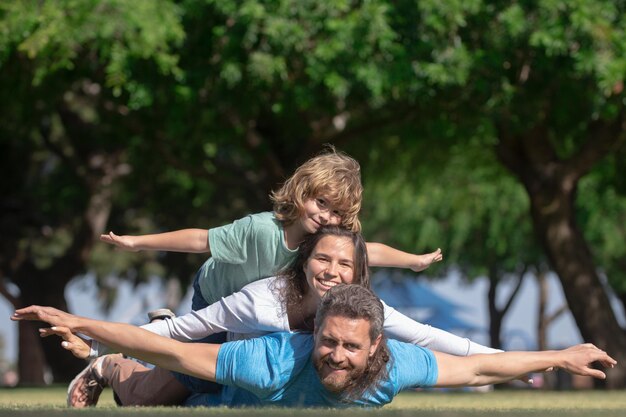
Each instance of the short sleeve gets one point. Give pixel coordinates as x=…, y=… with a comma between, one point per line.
x=413, y=366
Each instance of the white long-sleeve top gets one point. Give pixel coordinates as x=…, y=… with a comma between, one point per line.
x=256, y=310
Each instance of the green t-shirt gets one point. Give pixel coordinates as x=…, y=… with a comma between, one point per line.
x=247, y=250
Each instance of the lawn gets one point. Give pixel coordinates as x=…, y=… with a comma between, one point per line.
x=51, y=401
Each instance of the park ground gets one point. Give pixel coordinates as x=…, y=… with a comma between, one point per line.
x=51, y=401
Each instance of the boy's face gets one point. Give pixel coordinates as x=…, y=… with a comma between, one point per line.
x=318, y=212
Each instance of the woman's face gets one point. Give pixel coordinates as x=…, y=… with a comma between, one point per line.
x=331, y=263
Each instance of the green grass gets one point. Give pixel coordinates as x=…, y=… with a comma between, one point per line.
x=51, y=401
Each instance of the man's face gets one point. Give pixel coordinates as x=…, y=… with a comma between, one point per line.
x=342, y=350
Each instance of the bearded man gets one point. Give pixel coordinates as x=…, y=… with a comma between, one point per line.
x=345, y=362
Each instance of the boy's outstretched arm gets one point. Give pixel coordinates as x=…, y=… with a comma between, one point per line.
x=380, y=254
x=185, y=240
x=197, y=359
x=477, y=370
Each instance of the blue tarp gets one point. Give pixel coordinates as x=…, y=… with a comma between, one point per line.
x=409, y=295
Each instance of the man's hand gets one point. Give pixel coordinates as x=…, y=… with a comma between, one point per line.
x=50, y=315
x=75, y=344
x=577, y=359
x=123, y=242
x=424, y=261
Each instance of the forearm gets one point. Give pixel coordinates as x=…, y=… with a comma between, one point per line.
x=381, y=255
x=506, y=366
x=443, y=341
x=145, y=345
x=487, y=369
x=192, y=326
x=186, y=240
x=400, y=327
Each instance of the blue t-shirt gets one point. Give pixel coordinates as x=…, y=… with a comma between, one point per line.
x=277, y=369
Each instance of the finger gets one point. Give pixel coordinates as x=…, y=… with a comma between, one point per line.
x=596, y=373
x=25, y=315
x=45, y=332
x=608, y=362
x=27, y=310
x=60, y=331
x=78, y=348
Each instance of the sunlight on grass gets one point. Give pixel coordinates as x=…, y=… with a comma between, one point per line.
x=51, y=401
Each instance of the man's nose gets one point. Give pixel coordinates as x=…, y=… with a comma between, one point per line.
x=338, y=355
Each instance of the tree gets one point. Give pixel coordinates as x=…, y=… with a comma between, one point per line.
x=60, y=149
x=545, y=79
x=195, y=110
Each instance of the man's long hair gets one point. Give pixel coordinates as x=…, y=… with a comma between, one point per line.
x=357, y=302
x=293, y=281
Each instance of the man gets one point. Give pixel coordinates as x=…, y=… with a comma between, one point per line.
x=345, y=362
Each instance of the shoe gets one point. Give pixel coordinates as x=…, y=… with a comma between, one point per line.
x=160, y=314
x=86, y=387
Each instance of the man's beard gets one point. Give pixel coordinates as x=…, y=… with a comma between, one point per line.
x=335, y=383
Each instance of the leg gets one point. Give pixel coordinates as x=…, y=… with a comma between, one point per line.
x=135, y=384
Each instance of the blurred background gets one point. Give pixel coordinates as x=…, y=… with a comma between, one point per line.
x=492, y=129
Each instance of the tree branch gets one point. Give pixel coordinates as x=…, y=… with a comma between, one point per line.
x=602, y=138
x=515, y=291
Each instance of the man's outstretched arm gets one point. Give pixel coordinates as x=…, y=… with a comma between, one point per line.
x=477, y=370
x=196, y=359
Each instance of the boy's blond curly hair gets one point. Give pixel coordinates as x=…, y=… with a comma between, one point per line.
x=331, y=174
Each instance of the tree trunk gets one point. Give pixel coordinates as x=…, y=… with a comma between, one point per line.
x=551, y=186
x=542, y=325
x=495, y=315
x=567, y=250
x=31, y=361
x=47, y=286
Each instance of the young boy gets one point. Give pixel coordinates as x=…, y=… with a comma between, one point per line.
x=325, y=190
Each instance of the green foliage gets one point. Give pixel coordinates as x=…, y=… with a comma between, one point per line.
x=204, y=106
x=468, y=206
x=56, y=35
x=602, y=213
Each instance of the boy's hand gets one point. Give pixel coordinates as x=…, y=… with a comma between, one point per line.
x=424, y=261
x=75, y=344
x=122, y=242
